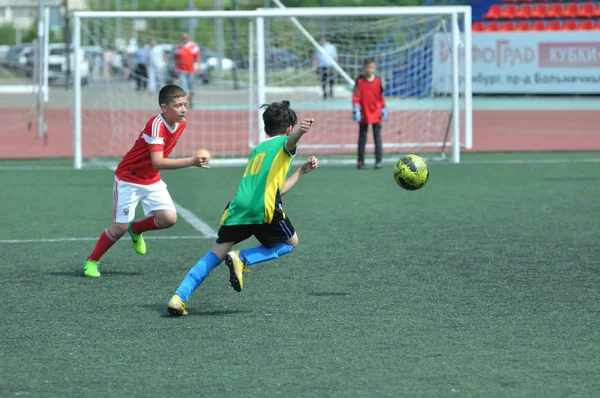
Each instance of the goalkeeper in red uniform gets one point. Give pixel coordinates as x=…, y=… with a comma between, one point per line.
x=368, y=107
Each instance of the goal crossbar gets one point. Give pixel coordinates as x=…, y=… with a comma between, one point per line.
x=260, y=14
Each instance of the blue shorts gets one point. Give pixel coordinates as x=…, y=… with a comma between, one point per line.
x=188, y=81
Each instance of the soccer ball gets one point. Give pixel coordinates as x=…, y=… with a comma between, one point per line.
x=411, y=172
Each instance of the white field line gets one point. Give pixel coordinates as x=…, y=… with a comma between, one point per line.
x=338, y=162
x=9, y=241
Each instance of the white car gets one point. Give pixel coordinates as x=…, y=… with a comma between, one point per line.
x=57, y=64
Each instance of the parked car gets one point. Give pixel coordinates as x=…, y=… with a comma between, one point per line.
x=57, y=64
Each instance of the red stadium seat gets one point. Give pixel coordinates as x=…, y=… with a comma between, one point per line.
x=556, y=11
x=494, y=12
x=555, y=25
x=508, y=26
x=525, y=11
x=478, y=27
x=492, y=27
x=509, y=12
x=571, y=25
x=587, y=10
x=541, y=11
x=588, y=24
x=597, y=25
x=524, y=26
x=571, y=11
x=540, y=25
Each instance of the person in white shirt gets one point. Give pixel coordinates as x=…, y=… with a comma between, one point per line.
x=156, y=67
x=323, y=65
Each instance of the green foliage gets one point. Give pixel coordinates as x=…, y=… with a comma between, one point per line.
x=8, y=34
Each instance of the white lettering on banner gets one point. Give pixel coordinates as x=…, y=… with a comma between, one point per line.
x=500, y=53
x=524, y=63
x=573, y=55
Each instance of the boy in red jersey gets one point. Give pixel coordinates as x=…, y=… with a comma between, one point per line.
x=368, y=107
x=137, y=179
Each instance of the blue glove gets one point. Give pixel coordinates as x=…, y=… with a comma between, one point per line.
x=384, y=114
x=356, y=113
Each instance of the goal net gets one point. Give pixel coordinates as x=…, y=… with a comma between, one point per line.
x=254, y=57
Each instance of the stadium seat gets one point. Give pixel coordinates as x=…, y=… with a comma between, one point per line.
x=540, y=26
x=556, y=11
x=509, y=12
x=587, y=10
x=494, y=12
x=525, y=11
x=588, y=24
x=555, y=25
x=508, y=26
x=524, y=26
x=541, y=11
x=571, y=11
x=571, y=25
x=478, y=27
x=492, y=27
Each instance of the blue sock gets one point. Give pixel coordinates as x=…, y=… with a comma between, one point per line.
x=196, y=275
x=261, y=254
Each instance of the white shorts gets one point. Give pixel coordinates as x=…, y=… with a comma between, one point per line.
x=126, y=197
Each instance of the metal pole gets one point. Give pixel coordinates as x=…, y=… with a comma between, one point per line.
x=267, y=41
x=118, y=27
x=46, y=51
x=77, y=155
x=67, y=30
x=40, y=70
x=191, y=26
x=234, y=46
x=134, y=33
x=96, y=40
x=219, y=36
x=322, y=21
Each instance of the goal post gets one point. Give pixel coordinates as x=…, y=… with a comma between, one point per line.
x=429, y=104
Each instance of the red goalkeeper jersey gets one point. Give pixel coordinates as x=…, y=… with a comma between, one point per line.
x=369, y=95
x=136, y=166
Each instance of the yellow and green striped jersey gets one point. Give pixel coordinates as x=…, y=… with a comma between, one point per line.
x=263, y=178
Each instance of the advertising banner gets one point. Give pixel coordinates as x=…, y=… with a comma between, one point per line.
x=524, y=63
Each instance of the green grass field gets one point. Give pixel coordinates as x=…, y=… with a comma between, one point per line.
x=482, y=284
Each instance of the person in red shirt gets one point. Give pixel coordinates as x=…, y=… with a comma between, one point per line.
x=187, y=55
x=137, y=179
x=368, y=107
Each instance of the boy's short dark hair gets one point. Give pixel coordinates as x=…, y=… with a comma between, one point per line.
x=169, y=92
x=278, y=116
x=368, y=61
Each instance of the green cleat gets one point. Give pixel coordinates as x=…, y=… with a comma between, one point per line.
x=90, y=269
x=138, y=241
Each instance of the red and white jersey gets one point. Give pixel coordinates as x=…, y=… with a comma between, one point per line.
x=136, y=166
x=186, y=56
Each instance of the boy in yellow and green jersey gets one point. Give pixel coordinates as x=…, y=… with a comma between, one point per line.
x=256, y=209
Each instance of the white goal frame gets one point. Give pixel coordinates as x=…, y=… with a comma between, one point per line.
x=259, y=16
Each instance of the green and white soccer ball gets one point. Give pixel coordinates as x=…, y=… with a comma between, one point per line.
x=411, y=172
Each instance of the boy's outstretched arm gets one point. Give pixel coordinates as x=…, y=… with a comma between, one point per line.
x=311, y=164
x=159, y=162
x=293, y=139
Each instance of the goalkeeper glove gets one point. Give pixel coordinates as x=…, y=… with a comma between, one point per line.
x=356, y=113
x=384, y=114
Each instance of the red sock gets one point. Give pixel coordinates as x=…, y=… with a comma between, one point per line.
x=104, y=243
x=147, y=224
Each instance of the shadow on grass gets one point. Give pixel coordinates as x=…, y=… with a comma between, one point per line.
x=329, y=294
x=162, y=310
x=79, y=273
